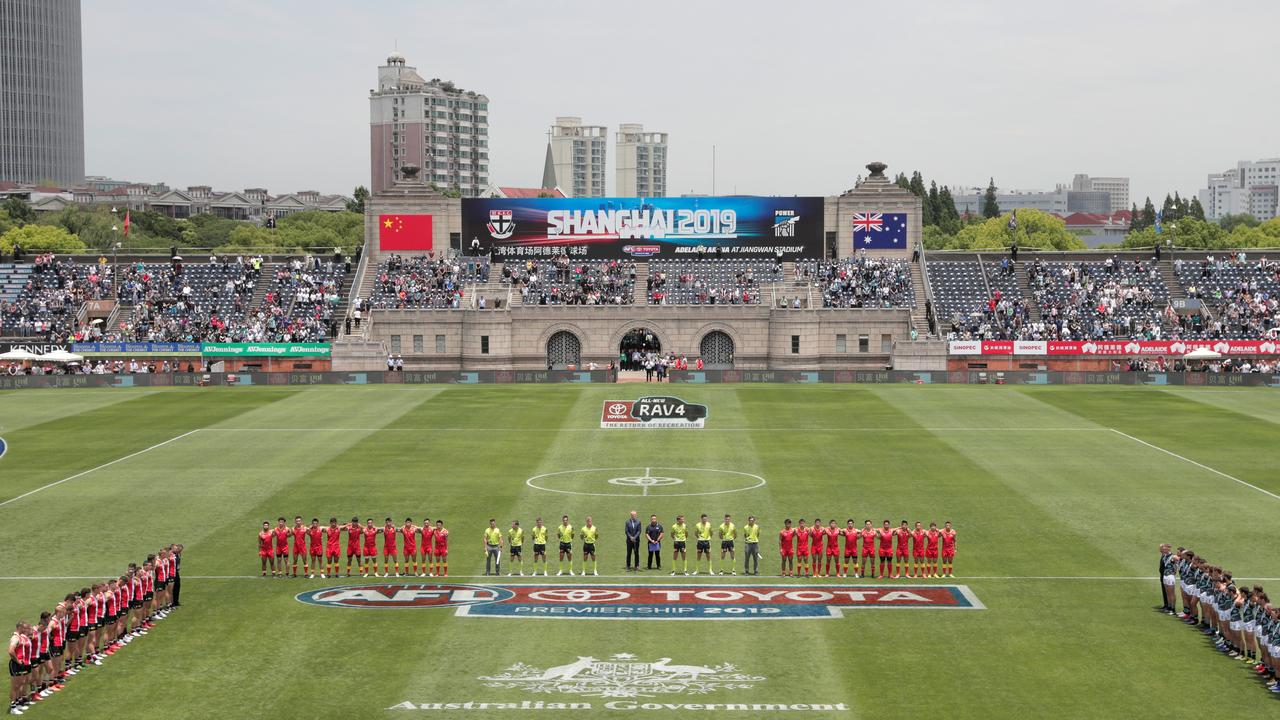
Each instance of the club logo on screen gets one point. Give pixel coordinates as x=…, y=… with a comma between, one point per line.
x=501, y=224
x=784, y=223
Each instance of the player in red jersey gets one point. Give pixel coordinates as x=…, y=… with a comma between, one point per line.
x=441, y=546
x=802, y=548
x=332, y=548
x=315, y=545
x=850, y=534
x=903, y=535
x=917, y=552
x=409, y=532
x=428, y=548
x=868, y=548
x=266, y=552
x=818, y=537
x=370, y=549
x=787, y=548
x=931, y=550
x=886, y=550
x=354, y=536
x=948, y=550
x=389, y=549
x=282, y=546
x=832, y=536
x=299, y=533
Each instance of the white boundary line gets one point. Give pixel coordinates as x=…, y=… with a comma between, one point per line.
x=705, y=429
x=1199, y=465
x=655, y=580
x=104, y=465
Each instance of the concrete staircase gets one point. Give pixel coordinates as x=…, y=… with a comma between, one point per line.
x=1171, y=281
x=640, y=293
x=1024, y=285
x=344, y=302
x=260, y=288
x=919, y=319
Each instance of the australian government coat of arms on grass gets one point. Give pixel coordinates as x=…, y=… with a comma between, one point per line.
x=623, y=675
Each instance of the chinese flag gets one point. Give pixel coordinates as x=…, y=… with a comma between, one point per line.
x=404, y=232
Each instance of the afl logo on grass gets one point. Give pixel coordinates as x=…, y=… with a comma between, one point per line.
x=661, y=411
x=405, y=596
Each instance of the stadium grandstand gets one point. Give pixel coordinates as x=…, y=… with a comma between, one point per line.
x=824, y=306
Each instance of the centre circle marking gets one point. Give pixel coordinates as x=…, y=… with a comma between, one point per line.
x=579, y=595
x=644, y=481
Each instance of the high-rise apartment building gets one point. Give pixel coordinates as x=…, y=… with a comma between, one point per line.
x=41, y=92
x=578, y=155
x=439, y=127
x=641, y=161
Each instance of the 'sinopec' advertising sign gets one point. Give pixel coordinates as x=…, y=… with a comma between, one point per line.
x=661, y=411
x=761, y=227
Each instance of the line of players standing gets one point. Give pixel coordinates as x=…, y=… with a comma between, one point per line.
x=1241, y=620
x=89, y=625
x=886, y=552
x=319, y=548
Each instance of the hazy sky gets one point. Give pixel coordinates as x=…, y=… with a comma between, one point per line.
x=797, y=96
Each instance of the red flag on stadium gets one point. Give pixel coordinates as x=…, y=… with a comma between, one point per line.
x=126, y=223
x=404, y=232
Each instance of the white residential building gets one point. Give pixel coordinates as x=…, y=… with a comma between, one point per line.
x=642, y=162
x=578, y=156
x=439, y=127
x=1249, y=187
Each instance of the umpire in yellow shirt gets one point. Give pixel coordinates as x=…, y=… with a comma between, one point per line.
x=751, y=535
x=493, y=548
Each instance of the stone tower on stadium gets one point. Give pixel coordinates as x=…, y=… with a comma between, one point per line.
x=41, y=92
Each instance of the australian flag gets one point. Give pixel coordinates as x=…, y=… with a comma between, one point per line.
x=880, y=231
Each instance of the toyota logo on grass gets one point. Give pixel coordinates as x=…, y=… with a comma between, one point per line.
x=405, y=596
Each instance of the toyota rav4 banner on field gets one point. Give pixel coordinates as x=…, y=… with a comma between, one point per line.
x=645, y=227
x=653, y=412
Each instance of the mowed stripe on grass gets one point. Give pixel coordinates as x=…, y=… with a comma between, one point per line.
x=1027, y=503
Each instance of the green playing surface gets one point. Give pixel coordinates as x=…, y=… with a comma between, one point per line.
x=1060, y=496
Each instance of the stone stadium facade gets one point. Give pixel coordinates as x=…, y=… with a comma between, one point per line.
x=509, y=335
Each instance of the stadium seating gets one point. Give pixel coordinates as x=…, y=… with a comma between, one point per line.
x=1115, y=298
x=966, y=311
x=562, y=281
x=50, y=296
x=860, y=282
x=307, y=291
x=180, y=302
x=425, y=282
x=710, y=281
x=1244, y=297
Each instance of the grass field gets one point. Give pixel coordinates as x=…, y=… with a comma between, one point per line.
x=1060, y=497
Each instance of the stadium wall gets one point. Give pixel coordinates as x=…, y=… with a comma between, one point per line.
x=518, y=337
x=973, y=377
